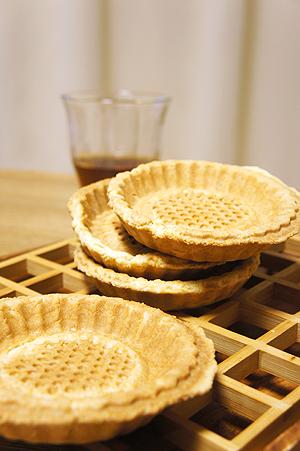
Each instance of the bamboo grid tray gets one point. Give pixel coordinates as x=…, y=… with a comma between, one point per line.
x=256, y=395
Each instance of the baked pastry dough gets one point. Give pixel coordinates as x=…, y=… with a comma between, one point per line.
x=204, y=211
x=173, y=294
x=78, y=368
x=104, y=238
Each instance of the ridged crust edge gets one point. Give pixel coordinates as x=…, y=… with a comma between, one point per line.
x=57, y=422
x=167, y=295
x=152, y=265
x=206, y=248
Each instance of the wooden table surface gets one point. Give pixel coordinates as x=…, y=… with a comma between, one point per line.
x=33, y=209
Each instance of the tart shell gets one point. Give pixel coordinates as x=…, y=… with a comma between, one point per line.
x=104, y=238
x=167, y=295
x=78, y=368
x=204, y=211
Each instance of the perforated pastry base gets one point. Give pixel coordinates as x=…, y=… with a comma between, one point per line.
x=204, y=211
x=256, y=396
x=76, y=368
x=104, y=238
x=72, y=365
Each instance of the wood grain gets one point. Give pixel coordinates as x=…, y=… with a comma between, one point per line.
x=33, y=210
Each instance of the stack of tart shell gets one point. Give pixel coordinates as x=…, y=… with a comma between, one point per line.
x=180, y=234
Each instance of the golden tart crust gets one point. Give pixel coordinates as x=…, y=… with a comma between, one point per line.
x=104, y=238
x=168, y=295
x=78, y=368
x=204, y=211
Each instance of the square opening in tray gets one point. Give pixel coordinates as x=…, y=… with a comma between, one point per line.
x=23, y=270
x=294, y=349
x=62, y=255
x=227, y=417
x=10, y=294
x=280, y=297
x=244, y=320
x=271, y=264
x=197, y=312
x=221, y=420
x=252, y=282
x=289, y=340
x=245, y=328
x=267, y=373
x=220, y=356
x=62, y=283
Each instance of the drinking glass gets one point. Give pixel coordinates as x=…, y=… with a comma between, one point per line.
x=110, y=134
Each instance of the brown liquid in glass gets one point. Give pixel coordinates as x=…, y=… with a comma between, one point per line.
x=91, y=168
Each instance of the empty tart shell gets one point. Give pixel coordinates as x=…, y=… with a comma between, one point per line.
x=78, y=368
x=204, y=211
x=104, y=238
x=173, y=294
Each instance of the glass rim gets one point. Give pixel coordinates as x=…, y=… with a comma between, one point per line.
x=121, y=97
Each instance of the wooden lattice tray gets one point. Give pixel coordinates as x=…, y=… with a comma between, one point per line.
x=256, y=395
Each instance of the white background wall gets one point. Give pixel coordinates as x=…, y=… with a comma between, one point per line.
x=47, y=47
x=272, y=138
x=190, y=50
x=232, y=67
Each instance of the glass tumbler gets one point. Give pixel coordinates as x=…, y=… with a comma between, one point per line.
x=115, y=133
